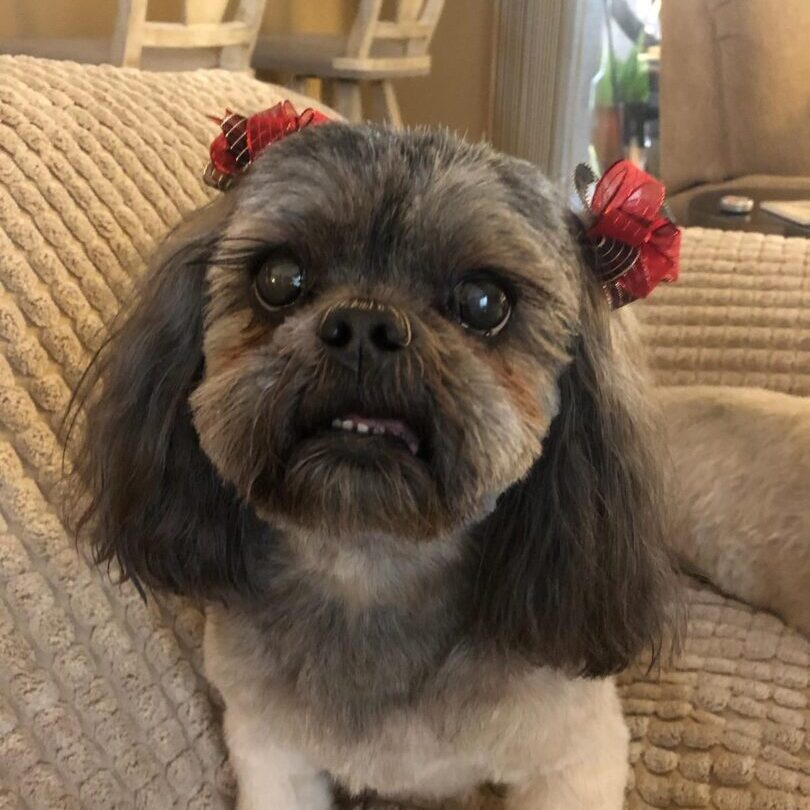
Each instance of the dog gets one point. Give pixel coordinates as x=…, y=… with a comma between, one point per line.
x=372, y=406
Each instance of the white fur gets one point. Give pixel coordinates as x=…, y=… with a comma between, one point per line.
x=559, y=742
x=270, y=776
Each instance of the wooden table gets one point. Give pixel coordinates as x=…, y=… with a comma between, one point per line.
x=704, y=211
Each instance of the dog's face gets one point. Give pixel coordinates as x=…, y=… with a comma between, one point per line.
x=379, y=333
x=388, y=317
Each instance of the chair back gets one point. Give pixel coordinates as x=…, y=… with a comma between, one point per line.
x=203, y=26
x=408, y=34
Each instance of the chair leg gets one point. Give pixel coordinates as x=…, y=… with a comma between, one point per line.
x=127, y=44
x=348, y=100
x=386, y=106
x=299, y=84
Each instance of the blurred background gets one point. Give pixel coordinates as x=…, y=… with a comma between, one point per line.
x=711, y=95
x=456, y=92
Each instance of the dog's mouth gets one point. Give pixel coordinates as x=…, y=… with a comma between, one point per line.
x=360, y=431
x=379, y=428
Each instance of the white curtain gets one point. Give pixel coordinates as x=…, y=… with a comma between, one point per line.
x=546, y=52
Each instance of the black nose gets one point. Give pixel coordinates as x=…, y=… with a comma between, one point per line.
x=363, y=326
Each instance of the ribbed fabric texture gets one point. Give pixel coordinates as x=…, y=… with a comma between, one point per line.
x=740, y=315
x=725, y=725
x=102, y=701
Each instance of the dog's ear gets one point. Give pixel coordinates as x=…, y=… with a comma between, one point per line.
x=572, y=563
x=156, y=504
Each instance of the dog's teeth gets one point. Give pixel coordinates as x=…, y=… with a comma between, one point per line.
x=374, y=428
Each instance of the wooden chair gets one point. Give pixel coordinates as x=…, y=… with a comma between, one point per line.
x=203, y=38
x=375, y=51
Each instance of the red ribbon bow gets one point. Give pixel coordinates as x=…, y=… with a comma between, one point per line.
x=636, y=246
x=243, y=138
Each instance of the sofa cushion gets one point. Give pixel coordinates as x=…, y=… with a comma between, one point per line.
x=102, y=700
x=734, y=100
x=739, y=315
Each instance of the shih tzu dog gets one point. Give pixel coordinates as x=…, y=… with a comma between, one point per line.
x=373, y=407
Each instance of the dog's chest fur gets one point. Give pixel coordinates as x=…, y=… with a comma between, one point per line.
x=380, y=692
x=351, y=647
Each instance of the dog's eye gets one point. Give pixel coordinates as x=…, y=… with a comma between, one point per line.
x=278, y=283
x=482, y=305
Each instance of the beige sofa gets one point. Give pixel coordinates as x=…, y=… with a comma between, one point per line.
x=102, y=701
x=735, y=104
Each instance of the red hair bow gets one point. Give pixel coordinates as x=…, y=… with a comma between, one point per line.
x=243, y=138
x=635, y=245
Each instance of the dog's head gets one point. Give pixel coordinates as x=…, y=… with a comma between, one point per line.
x=384, y=333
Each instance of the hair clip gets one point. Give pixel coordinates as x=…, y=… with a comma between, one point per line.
x=244, y=137
x=632, y=241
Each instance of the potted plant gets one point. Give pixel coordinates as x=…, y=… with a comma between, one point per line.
x=634, y=87
x=621, y=93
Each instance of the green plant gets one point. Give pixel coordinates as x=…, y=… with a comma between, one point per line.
x=629, y=77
